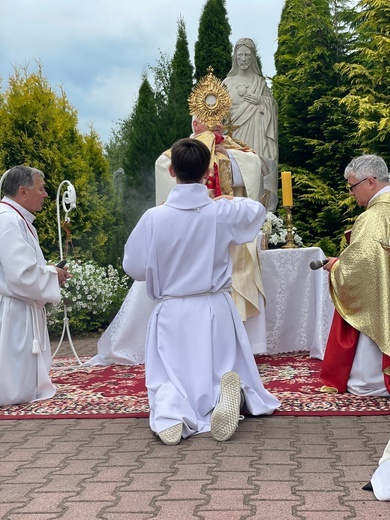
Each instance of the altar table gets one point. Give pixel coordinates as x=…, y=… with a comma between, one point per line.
x=298, y=309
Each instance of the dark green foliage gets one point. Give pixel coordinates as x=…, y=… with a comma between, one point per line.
x=213, y=47
x=304, y=82
x=177, y=123
x=367, y=71
x=315, y=131
x=140, y=152
x=321, y=214
x=144, y=140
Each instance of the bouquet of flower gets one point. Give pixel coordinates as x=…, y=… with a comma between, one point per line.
x=276, y=232
x=92, y=296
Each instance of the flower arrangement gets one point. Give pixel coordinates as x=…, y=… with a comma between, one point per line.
x=92, y=297
x=276, y=232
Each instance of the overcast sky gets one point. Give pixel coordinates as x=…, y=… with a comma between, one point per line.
x=98, y=49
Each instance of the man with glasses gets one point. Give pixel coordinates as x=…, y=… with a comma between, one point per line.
x=357, y=355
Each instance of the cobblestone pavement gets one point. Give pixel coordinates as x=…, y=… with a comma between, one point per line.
x=275, y=468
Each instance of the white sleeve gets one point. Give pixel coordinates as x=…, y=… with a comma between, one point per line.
x=237, y=179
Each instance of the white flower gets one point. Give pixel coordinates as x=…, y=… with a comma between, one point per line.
x=88, y=295
x=276, y=232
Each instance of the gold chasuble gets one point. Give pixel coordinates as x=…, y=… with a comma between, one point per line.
x=246, y=276
x=359, y=285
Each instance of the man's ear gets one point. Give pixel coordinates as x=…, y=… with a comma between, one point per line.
x=22, y=192
x=171, y=171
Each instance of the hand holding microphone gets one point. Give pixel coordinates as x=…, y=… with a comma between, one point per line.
x=317, y=264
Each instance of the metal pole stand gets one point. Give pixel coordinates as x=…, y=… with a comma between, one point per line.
x=68, y=203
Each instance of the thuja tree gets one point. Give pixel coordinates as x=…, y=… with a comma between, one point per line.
x=142, y=147
x=38, y=127
x=213, y=47
x=314, y=133
x=367, y=71
x=304, y=63
x=177, y=121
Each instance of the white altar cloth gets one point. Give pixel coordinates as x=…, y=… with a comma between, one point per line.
x=299, y=310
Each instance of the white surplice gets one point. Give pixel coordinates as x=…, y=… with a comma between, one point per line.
x=246, y=173
x=195, y=333
x=26, y=284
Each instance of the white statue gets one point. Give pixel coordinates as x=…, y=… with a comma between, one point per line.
x=254, y=112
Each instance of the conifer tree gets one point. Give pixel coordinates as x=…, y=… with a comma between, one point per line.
x=178, y=120
x=142, y=148
x=368, y=71
x=305, y=74
x=213, y=47
x=314, y=131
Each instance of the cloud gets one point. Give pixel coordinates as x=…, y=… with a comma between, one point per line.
x=98, y=49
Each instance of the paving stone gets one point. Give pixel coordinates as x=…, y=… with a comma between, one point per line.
x=319, y=482
x=226, y=500
x=78, y=511
x=319, y=500
x=37, y=476
x=97, y=491
x=180, y=490
x=274, y=472
x=274, y=490
x=59, y=483
x=353, y=474
x=306, y=465
x=135, y=502
x=69, y=466
x=178, y=510
x=238, y=463
x=226, y=515
x=146, y=482
x=21, y=454
x=372, y=510
x=275, y=467
x=121, y=474
x=156, y=466
x=127, y=516
x=231, y=480
x=44, y=503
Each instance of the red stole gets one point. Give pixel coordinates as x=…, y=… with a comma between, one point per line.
x=213, y=182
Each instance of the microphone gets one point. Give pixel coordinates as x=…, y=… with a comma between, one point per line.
x=317, y=264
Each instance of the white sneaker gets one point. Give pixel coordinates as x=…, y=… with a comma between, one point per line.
x=172, y=435
x=226, y=414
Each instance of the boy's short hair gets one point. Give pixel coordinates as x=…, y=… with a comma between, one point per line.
x=190, y=159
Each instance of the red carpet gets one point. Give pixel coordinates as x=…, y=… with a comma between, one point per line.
x=118, y=391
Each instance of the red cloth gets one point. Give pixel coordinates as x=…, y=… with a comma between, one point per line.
x=212, y=181
x=386, y=364
x=339, y=355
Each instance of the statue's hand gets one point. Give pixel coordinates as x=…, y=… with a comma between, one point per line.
x=252, y=98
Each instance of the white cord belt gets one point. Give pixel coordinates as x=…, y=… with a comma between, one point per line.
x=208, y=293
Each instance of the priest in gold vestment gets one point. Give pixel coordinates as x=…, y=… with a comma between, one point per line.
x=357, y=355
x=234, y=170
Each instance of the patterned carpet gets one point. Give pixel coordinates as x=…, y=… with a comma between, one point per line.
x=118, y=391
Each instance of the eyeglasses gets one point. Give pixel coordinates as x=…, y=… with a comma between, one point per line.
x=351, y=187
